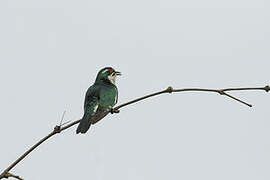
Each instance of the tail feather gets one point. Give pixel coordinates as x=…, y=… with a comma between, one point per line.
x=83, y=126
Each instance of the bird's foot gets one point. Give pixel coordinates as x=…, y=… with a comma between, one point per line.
x=114, y=111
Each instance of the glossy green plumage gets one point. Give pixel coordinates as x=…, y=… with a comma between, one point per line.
x=99, y=99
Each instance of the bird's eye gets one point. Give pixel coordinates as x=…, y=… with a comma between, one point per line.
x=110, y=70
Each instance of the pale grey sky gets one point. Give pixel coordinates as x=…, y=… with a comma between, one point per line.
x=50, y=52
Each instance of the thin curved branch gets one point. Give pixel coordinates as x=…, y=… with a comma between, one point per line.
x=58, y=129
x=219, y=91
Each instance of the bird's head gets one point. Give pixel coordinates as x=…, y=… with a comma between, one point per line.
x=107, y=74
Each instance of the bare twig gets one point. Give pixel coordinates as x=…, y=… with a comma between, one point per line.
x=58, y=129
x=219, y=91
x=63, y=115
x=7, y=175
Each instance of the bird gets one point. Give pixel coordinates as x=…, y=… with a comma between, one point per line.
x=99, y=99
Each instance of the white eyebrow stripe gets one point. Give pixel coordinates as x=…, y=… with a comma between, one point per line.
x=104, y=70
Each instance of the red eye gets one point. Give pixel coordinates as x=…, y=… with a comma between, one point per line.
x=110, y=70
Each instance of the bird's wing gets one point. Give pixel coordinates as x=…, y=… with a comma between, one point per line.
x=100, y=113
x=91, y=101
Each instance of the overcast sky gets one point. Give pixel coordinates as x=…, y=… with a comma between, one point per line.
x=51, y=51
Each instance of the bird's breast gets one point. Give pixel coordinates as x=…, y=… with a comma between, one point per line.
x=108, y=97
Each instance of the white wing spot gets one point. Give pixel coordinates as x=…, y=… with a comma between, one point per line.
x=115, y=98
x=104, y=71
x=95, y=108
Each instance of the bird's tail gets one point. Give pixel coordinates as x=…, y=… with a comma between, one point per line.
x=83, y=126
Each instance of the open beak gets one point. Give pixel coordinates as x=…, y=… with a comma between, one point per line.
x=118, y=73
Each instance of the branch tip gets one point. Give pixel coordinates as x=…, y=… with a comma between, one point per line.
x=63, y=115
